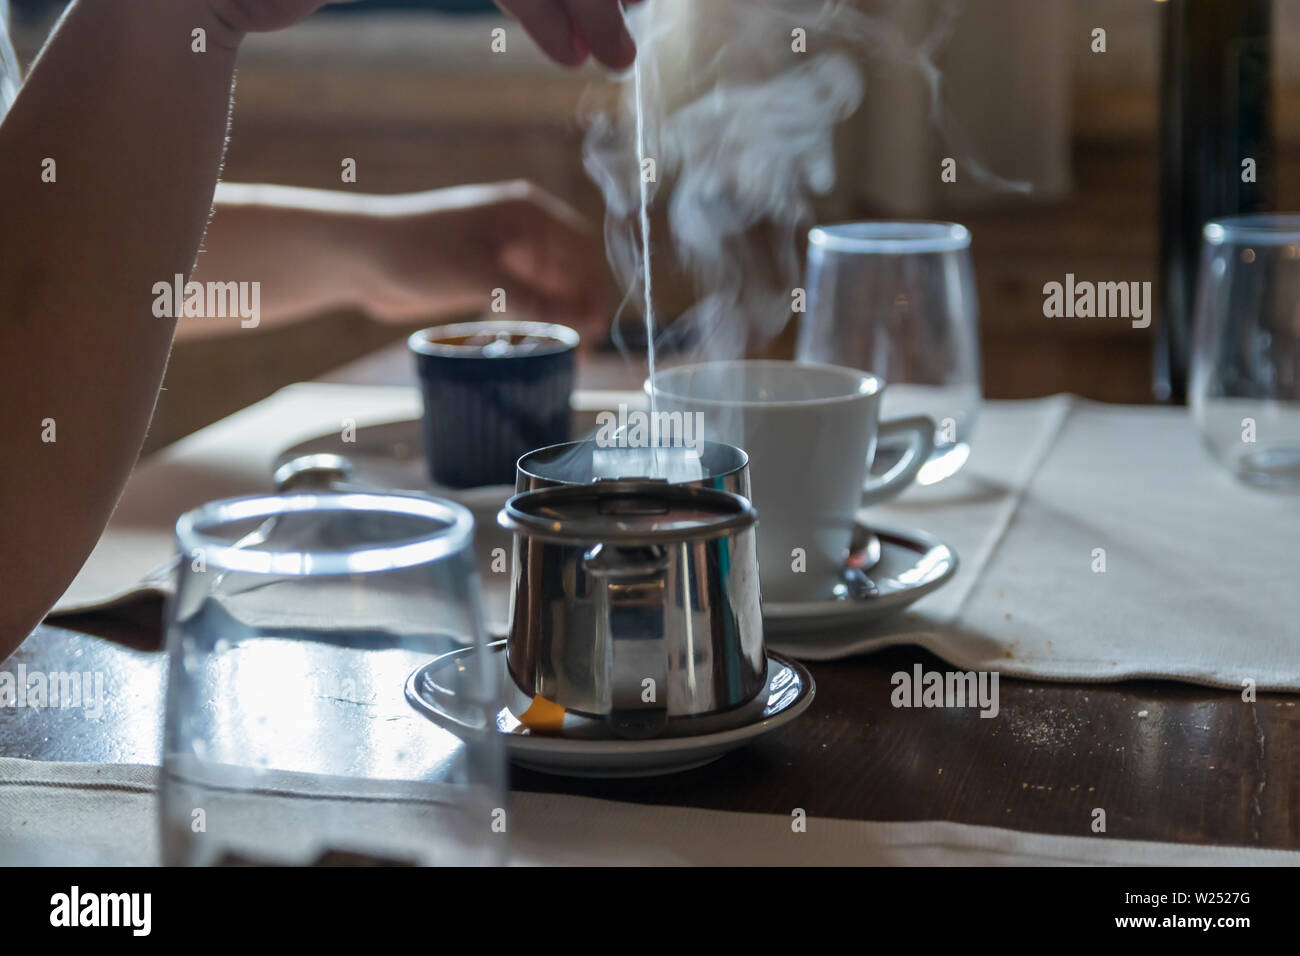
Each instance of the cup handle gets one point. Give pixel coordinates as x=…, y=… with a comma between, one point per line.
x=919, y=447
x=630, y=619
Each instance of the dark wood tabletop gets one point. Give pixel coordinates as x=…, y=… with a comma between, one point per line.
x=1165, y=761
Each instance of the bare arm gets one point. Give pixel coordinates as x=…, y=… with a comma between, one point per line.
x=135, y=123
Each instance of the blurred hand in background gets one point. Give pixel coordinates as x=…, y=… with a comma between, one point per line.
x=506, y=247
x=509, y=245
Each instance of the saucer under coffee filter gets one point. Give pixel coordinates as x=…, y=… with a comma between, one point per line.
x=544, y=738
x=638, y=603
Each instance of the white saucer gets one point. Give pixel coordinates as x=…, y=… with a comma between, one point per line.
x=911, y=565
x=582, y=748
x=391, y=456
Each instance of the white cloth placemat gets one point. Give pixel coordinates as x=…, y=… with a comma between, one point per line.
x=1199, y=570
x=89, y=814
x=235, y=456
x=1101, y=543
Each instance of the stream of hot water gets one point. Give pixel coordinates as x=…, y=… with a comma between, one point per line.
x=656, y=463
x=653, y=459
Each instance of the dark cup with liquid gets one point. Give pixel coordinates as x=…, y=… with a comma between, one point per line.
x=493, y=391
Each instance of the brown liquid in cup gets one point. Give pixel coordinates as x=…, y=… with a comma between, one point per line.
x=499, y=345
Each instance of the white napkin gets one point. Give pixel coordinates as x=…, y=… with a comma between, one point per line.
x=1200, y=571
x=88, y=814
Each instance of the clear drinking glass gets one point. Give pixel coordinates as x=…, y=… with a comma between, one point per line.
x=296, y=622
x=1245, y=365
x=898, y=299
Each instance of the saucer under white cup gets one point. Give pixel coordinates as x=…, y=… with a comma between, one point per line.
x=810, y=432
x=911, y=565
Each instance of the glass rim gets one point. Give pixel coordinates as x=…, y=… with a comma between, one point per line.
x=1270, y=229
x=892, y=236
x=193, y=532
x=868, y=384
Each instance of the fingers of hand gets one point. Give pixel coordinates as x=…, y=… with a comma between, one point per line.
x=565, y=280
x=548, y=23
x=545, y=242
x=601, y=25
x=569, y=31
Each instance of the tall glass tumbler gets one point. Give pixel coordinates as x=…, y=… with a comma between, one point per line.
x=296, y=622
x=898, y=299
x=1245, y=365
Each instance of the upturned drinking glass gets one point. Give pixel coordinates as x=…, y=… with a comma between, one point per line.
x=1245, y=365
x=296, y=622
x=898, y=299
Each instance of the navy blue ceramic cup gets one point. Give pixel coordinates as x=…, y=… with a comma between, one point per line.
x=493, y=391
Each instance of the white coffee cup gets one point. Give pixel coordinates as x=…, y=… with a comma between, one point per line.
x=811, y=433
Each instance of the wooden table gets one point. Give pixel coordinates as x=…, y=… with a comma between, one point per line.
x=1165, y=761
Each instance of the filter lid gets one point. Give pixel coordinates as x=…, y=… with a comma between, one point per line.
x=627, y=512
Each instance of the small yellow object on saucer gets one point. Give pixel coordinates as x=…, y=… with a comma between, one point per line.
x=543, y=715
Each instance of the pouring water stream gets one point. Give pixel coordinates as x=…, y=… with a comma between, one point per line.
x=656, y=465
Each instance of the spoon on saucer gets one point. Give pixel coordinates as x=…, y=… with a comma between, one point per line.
x=864, y=554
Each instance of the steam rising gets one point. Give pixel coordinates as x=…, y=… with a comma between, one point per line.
x=746, y=146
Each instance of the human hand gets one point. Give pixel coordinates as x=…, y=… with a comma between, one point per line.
x=568, y=31
x=453, y=251
x=240, y=17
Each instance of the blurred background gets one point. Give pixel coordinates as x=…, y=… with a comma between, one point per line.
x=410, y=90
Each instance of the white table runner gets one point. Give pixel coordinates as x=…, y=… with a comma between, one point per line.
x=88, y=814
